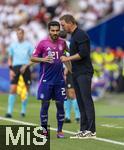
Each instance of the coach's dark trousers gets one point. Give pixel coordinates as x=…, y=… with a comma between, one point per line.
x=82, y=85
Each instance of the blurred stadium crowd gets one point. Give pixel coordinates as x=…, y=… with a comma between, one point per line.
x=33, y=15
x=108, y=71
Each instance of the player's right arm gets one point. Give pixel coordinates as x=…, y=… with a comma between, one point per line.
x=47, y=59
x=38, y=52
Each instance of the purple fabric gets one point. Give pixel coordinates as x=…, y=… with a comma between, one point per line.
x=51, y=83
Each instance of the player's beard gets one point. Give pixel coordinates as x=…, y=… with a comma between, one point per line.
x=54, y=37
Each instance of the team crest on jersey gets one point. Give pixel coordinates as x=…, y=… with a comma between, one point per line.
x=60, y=47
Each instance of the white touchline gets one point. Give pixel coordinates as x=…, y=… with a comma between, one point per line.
x=65, y=131
x=112, y=126
x=103, y=125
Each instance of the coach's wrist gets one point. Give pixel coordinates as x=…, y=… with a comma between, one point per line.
x=69, y=58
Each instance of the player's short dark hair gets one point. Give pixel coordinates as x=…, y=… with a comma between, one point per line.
x=53, y=23
x=68, y=18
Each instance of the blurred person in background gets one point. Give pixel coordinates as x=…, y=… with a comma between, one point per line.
x=19, y=63
x=3, y=55
x=71, y=101
x=35, y=14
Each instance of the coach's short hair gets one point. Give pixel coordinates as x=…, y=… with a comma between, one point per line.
x=68, y=18
x=53, y=23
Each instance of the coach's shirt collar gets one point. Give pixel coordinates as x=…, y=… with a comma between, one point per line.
x=74, y=31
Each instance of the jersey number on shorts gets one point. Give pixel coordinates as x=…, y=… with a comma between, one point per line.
x=63, y=91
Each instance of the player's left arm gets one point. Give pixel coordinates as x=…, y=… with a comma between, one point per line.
x=67, y=63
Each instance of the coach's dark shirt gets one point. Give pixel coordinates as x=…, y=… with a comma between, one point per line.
x=80, y=44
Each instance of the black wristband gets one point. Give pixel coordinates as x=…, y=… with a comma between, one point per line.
x=11, y=67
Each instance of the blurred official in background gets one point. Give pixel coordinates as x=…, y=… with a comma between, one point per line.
x=19, y=62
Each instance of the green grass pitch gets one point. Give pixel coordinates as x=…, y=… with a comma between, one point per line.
x=107, y=128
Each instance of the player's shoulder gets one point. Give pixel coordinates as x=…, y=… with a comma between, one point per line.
x=61, y=40
x=41, y=43
x=44, y=40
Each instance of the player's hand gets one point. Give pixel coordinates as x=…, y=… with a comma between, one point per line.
x=64, y=58
x=48, y=59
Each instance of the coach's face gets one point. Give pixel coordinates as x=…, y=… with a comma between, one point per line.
x=66, y=26
x=54, y=32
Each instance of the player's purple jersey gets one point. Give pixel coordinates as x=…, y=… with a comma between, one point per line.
x=51, y=72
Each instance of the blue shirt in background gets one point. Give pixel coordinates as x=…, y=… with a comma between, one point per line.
x=20, y=52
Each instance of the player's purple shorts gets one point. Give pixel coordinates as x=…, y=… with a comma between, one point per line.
x=48, y=91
